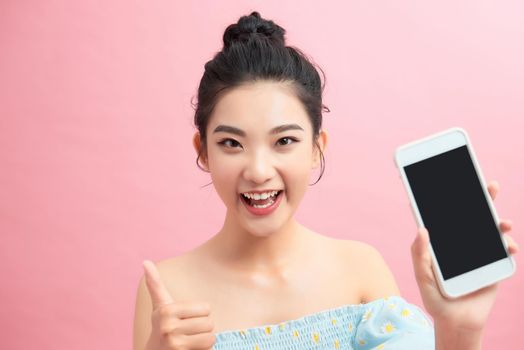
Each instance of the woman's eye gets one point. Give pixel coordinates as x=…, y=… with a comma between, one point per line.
x=290, y=139
x=230, y=143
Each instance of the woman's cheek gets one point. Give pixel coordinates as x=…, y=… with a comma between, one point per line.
x=298, y=173
x=224, y=176
x=299, y=164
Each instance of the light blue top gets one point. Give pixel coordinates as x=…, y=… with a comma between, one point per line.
x=386, y=323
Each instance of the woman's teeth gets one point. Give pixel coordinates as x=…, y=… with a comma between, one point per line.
x=258, y=196
x=264, y=205
x=265, y=199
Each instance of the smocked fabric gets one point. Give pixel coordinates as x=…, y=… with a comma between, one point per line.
x=382, y=324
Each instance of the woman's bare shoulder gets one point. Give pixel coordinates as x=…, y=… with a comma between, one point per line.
x=374, y=275
x=351, y=249
x=173, y=272
x=172, y=265
x=177, y=272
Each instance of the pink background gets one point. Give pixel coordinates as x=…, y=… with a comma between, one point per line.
x=98, y=172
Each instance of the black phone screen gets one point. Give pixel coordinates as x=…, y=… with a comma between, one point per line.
x=449, y=196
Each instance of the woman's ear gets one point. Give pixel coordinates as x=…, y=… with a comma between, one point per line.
x=197, y=144
x=322, y=139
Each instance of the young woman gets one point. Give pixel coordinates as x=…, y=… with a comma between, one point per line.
x=264, y=281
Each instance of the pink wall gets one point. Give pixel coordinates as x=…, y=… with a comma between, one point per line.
x=98, y=172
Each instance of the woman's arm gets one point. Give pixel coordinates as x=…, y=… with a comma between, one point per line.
x=449, y=338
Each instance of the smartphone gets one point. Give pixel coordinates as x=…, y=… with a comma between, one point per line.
x=449, y=197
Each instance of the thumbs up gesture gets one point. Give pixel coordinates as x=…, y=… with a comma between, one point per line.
x=176, y=325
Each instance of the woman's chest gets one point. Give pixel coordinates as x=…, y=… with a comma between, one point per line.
x=247, y=310
x=320, y=283
x=263, y=301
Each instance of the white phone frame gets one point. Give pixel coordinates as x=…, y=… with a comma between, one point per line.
x=433, y=145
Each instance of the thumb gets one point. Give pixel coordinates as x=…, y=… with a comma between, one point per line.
x=157, y=290
x=421, y=257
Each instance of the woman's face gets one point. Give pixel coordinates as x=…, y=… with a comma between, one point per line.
x=259, y=138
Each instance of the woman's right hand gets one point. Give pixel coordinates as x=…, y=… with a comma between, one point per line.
x=176, y=325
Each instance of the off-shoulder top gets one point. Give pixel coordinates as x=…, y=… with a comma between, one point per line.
x=386, y=323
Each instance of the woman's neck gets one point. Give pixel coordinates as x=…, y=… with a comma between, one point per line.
x=237, y=248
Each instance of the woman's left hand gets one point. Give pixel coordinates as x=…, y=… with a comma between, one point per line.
x=469, y=312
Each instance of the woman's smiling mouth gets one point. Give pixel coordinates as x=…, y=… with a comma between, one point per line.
x=261, y=203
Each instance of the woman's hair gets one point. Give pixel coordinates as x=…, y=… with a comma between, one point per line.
x=255, y=49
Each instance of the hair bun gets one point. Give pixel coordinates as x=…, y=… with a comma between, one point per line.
x=253, y=26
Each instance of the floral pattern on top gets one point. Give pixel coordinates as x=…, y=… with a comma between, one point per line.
x=389, y=323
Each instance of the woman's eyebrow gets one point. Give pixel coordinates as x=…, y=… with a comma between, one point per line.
x=240, y=132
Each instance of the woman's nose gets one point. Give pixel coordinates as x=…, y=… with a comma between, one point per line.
x=259, y=168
